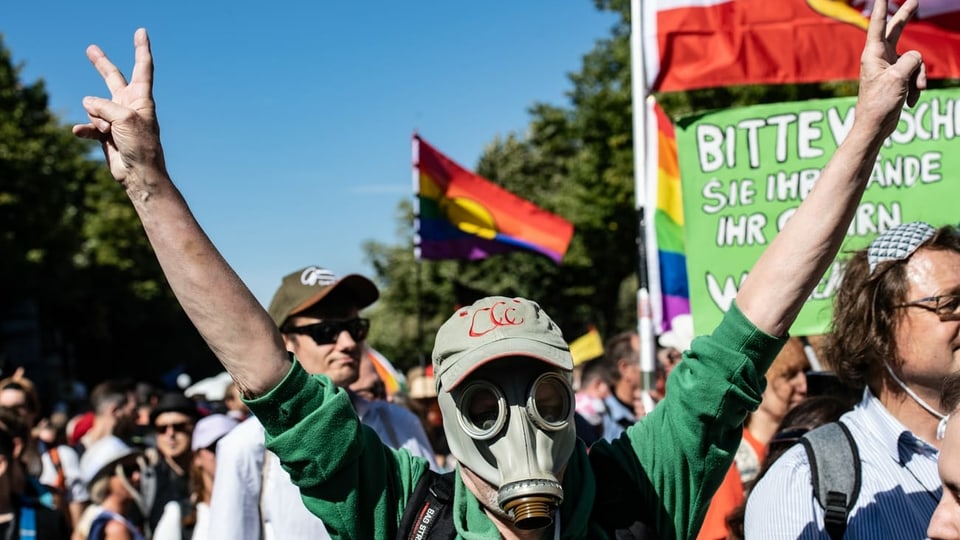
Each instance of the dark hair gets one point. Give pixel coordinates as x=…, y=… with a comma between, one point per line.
x=6, y=444
x=111, y=392
x=810, y=413
x=619, y=347
x=598, y=368
x=27, y=387
x=864, y=316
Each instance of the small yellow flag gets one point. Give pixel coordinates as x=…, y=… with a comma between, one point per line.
x=586, y=347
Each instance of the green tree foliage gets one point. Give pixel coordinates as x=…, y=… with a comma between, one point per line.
x=576, y=161
x=75, y=267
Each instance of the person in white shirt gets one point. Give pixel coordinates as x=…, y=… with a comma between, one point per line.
x=894, y=338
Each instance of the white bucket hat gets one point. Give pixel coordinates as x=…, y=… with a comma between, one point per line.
x=102, y=458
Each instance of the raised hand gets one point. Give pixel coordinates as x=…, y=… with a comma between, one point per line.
x=887, y=79
x=126, y=124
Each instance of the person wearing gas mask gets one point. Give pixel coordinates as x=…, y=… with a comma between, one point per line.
x=503, y=370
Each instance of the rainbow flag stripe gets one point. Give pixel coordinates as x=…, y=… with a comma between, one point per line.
x=668, y=223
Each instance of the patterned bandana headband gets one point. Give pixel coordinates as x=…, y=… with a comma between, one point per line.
x=898, y=243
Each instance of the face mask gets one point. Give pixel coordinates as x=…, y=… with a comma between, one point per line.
x=513, y=427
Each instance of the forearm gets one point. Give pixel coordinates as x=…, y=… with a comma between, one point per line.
x=226, y=314
x=789, y=269
x=791, y=266
x=228, y=317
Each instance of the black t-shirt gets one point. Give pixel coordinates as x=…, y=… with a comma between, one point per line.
x=170, y=487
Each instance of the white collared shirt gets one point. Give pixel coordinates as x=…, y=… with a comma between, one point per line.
x=237, y=486
x=900, y=487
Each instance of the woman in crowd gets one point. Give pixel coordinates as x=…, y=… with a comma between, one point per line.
x=112, y=470
x=210, y=429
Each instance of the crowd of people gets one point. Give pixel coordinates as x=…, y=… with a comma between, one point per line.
x=495, y=439
x=142, y=463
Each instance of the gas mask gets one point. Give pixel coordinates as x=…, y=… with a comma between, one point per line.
x=511, y=423
x=504, y=385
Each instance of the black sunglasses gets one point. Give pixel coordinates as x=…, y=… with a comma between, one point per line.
x=327, y=332
x=178, y=427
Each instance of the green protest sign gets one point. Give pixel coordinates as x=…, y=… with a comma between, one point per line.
x=745, y=171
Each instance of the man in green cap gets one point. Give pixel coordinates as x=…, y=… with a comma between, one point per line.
x=318, y=315
x=502, y=368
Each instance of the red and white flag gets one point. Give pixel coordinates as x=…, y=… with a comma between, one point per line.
x=692, y=44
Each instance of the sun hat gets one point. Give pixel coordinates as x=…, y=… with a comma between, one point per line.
x=422, y=387
x=680, y=334
x=101, y=458
x=304, y=288
x=174, y=402
x=492, y=328
x=211, y=429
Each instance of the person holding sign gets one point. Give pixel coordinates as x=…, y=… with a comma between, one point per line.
x=503, y=370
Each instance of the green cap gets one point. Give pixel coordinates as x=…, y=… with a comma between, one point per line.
x=492, y=328
x=304, y=288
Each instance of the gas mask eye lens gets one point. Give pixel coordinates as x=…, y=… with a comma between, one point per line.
x=549, y=402
x=483, y=410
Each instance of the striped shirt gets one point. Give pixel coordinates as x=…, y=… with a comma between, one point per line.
x=900, y=486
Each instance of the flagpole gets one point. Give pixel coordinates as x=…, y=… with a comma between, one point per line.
x=647, y=347
x=415, y=158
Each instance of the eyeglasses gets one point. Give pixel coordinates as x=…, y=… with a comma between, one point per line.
x=178, y=427
x=327, y=332
x=945, y=306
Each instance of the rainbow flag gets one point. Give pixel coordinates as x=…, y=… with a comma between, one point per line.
x=669, y=277
x=464, y=216
x=393, y=380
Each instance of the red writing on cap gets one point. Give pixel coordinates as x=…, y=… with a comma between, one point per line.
x=487, y=319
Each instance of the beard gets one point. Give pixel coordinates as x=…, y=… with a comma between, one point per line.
x=485, y=492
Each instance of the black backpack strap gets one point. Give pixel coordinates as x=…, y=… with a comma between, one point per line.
x=429, y=512
x=835, y=473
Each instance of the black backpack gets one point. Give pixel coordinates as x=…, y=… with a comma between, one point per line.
x=835, y=473
x=429, y=513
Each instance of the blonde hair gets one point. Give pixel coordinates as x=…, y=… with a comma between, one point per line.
x=100, y=488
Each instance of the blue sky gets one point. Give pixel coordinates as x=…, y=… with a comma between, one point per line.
x=287, y=124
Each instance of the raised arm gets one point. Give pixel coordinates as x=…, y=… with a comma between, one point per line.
x=771, y=297
x=226, y=314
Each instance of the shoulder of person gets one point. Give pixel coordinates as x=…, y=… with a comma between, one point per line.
x=116, y=529
x=398, y=410
x=246, y=438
